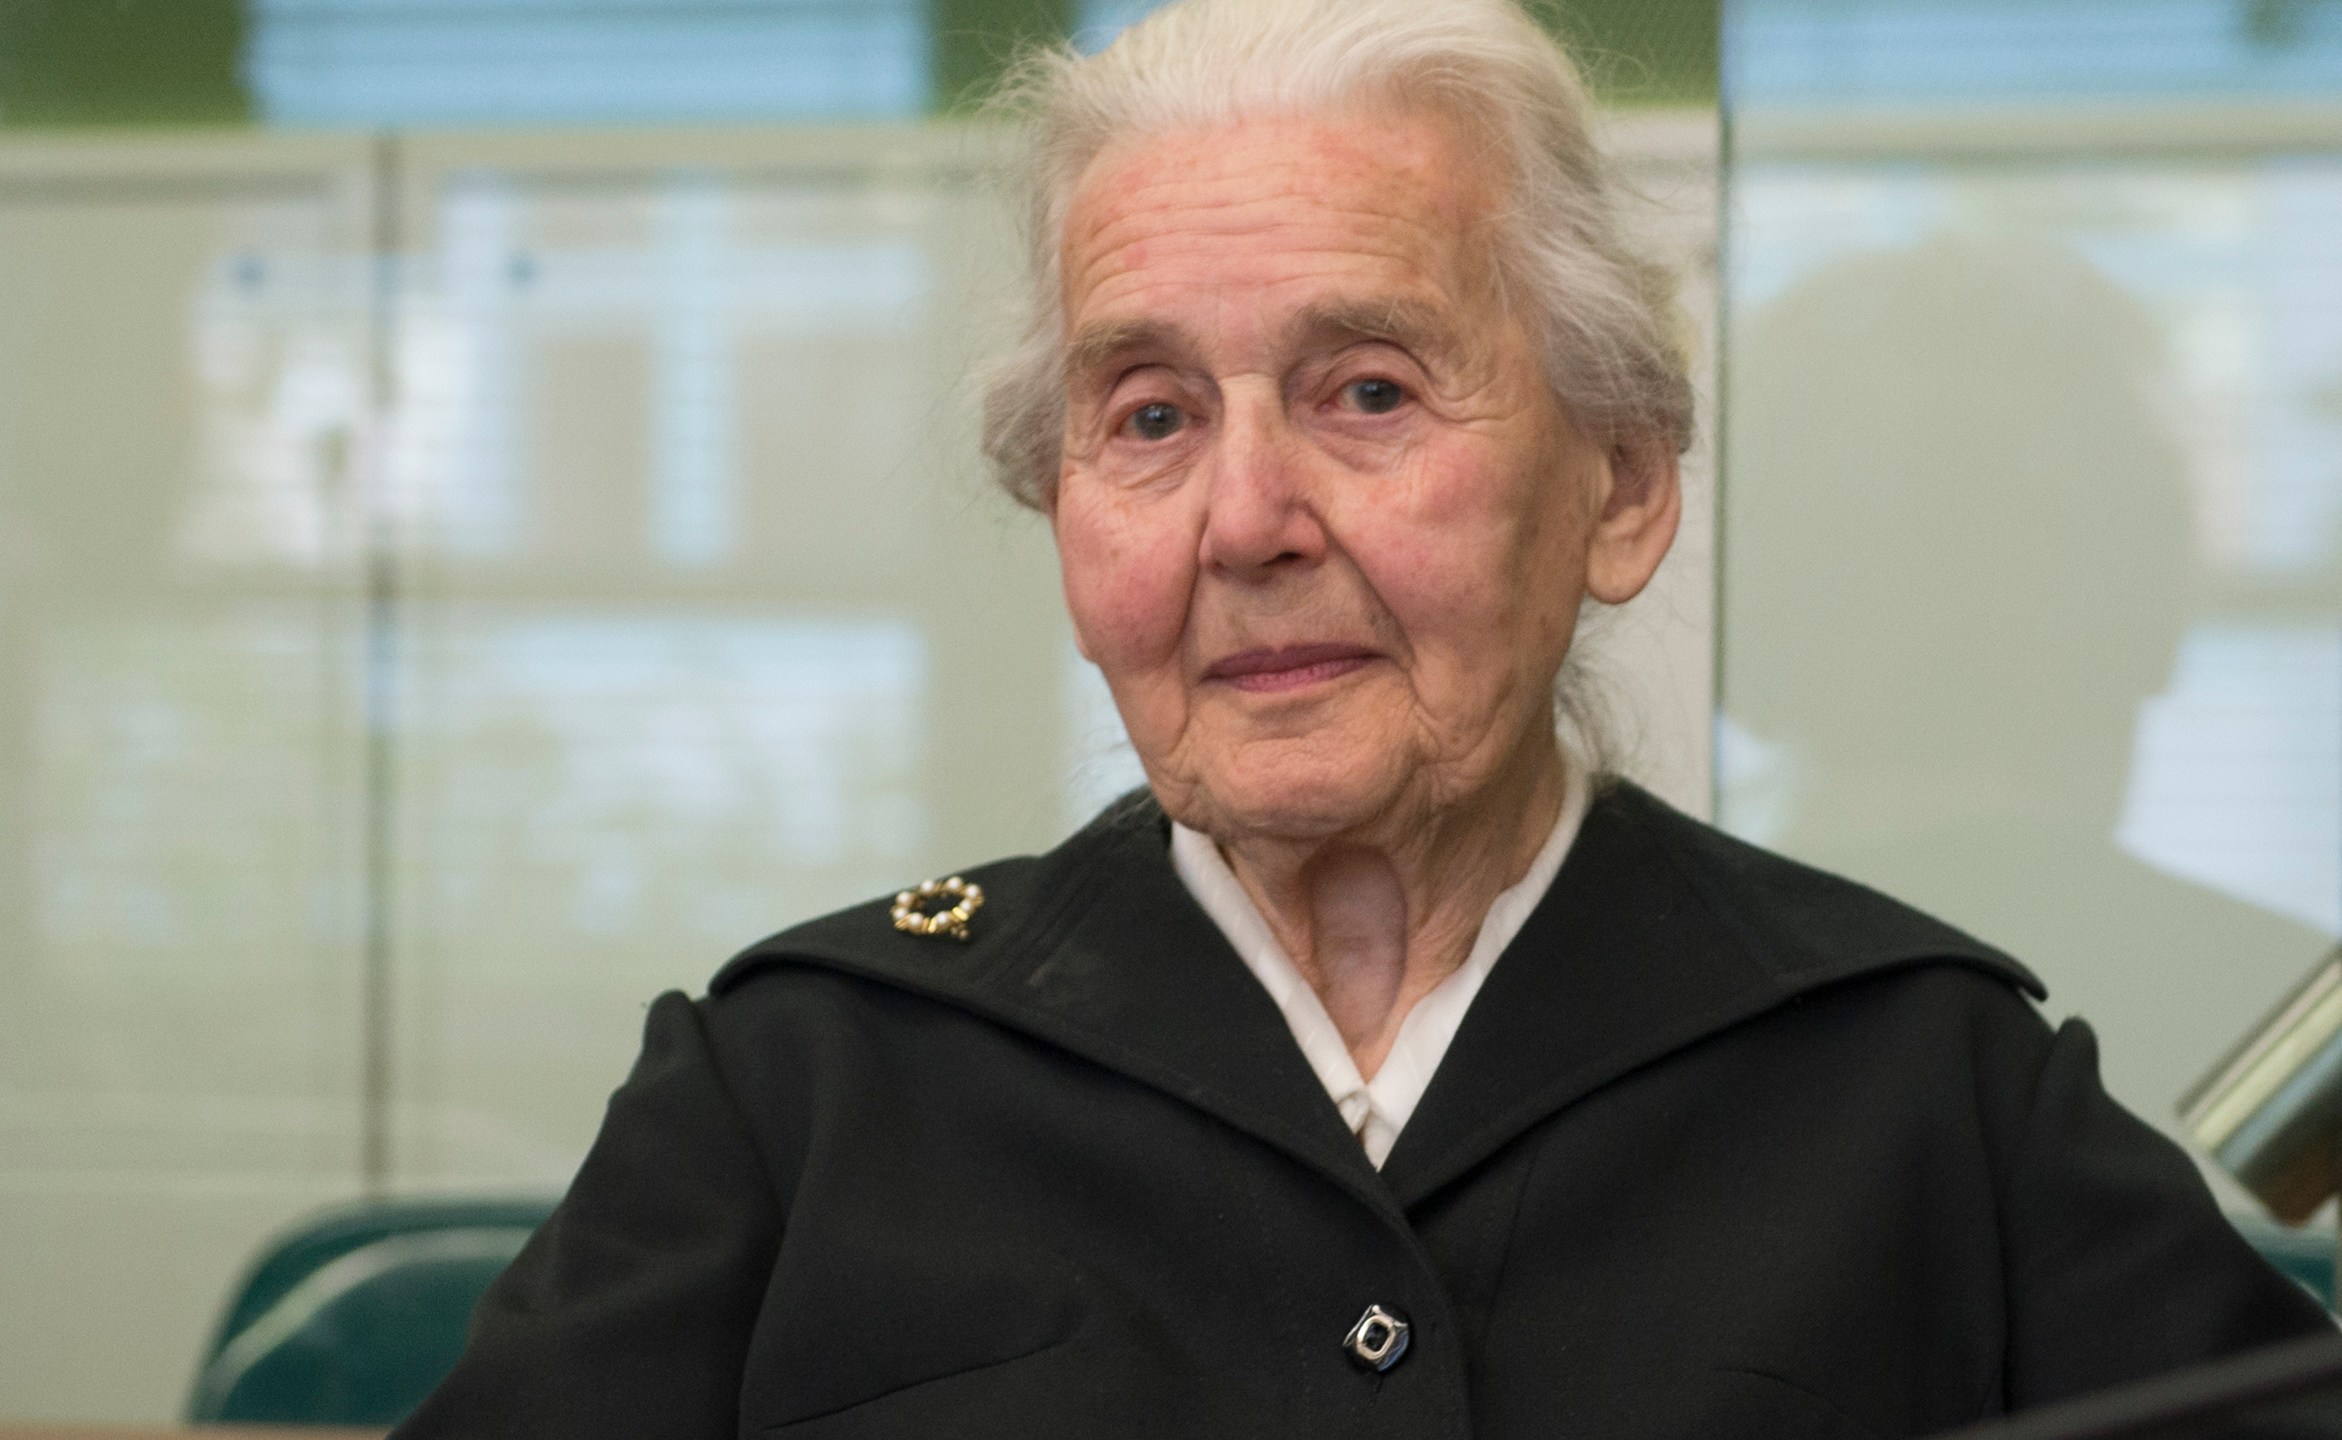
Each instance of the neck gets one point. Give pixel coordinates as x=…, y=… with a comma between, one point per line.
x=1377, y=917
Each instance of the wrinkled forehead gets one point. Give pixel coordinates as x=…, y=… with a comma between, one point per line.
x=1369, y=206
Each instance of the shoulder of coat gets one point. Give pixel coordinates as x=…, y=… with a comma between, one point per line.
x=1809, y=925
x=986, y=899
x=936, y=932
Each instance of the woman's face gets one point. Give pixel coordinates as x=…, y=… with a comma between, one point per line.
x=1322, y=525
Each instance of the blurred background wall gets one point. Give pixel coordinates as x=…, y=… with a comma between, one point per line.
x=489, y=526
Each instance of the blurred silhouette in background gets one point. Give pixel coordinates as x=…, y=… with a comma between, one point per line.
x=1968, y=432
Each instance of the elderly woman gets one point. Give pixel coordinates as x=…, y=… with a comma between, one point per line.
x=1381, y=1070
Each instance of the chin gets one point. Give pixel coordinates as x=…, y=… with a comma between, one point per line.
x=1297, y=800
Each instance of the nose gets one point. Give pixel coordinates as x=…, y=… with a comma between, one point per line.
x=1260, y=515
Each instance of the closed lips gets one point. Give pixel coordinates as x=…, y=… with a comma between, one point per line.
x=1289, y=667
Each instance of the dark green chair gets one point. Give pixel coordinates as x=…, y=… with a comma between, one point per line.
x=2307, y=1256
x=354, y=1316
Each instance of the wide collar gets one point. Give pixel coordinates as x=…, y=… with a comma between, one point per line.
x=1658, y=933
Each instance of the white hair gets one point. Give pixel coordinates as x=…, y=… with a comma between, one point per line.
x=1605, y=314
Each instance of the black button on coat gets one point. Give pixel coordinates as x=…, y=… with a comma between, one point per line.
x=1725, y=1147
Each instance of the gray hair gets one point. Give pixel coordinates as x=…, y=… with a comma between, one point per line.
x=1606, y=315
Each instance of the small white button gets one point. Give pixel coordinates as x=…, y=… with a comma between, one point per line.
x=1379, y=1339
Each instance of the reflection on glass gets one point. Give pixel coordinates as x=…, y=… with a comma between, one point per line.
x=682, y=284
x=595, y=807
x=181, y=786
x=693, y=635
x=2237, y=766
x=655, y=784
x=176, y=764
x=282, y=394
x=2033, y=538
x=181, y=385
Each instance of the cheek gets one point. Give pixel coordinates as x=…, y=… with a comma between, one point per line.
x=1480, y=571
x=1450, y=553
x=1549, y=558
x=1126, y=585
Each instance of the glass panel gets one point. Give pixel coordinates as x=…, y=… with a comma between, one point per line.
x=2033, y=524
x=183, y=353
x=714, y=625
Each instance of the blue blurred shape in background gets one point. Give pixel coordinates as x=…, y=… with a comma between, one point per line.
x=1971, y=52
x=470, y=62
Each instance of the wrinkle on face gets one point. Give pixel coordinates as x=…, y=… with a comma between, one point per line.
x=1277, y=206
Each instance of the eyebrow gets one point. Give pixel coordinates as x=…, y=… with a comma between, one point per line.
x=1095, y=345
x=1409, y=323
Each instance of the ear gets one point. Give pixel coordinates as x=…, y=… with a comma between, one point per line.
x=1641, y=502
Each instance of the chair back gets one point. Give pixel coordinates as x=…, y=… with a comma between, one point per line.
x=354, y=1316
x=2306, y=1256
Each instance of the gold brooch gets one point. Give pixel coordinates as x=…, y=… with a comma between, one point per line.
x=912, y=918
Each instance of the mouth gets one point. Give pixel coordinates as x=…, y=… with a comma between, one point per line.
x=1290, y=667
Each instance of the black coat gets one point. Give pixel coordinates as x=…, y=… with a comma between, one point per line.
x=1725, y=1147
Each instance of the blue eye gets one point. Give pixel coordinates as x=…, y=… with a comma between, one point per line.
x=1157, y=421
x=1375, y=397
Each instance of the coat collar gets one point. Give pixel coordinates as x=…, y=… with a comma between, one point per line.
x=1657, y=933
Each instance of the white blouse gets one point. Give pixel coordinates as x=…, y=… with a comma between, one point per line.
x=1375, y=1110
